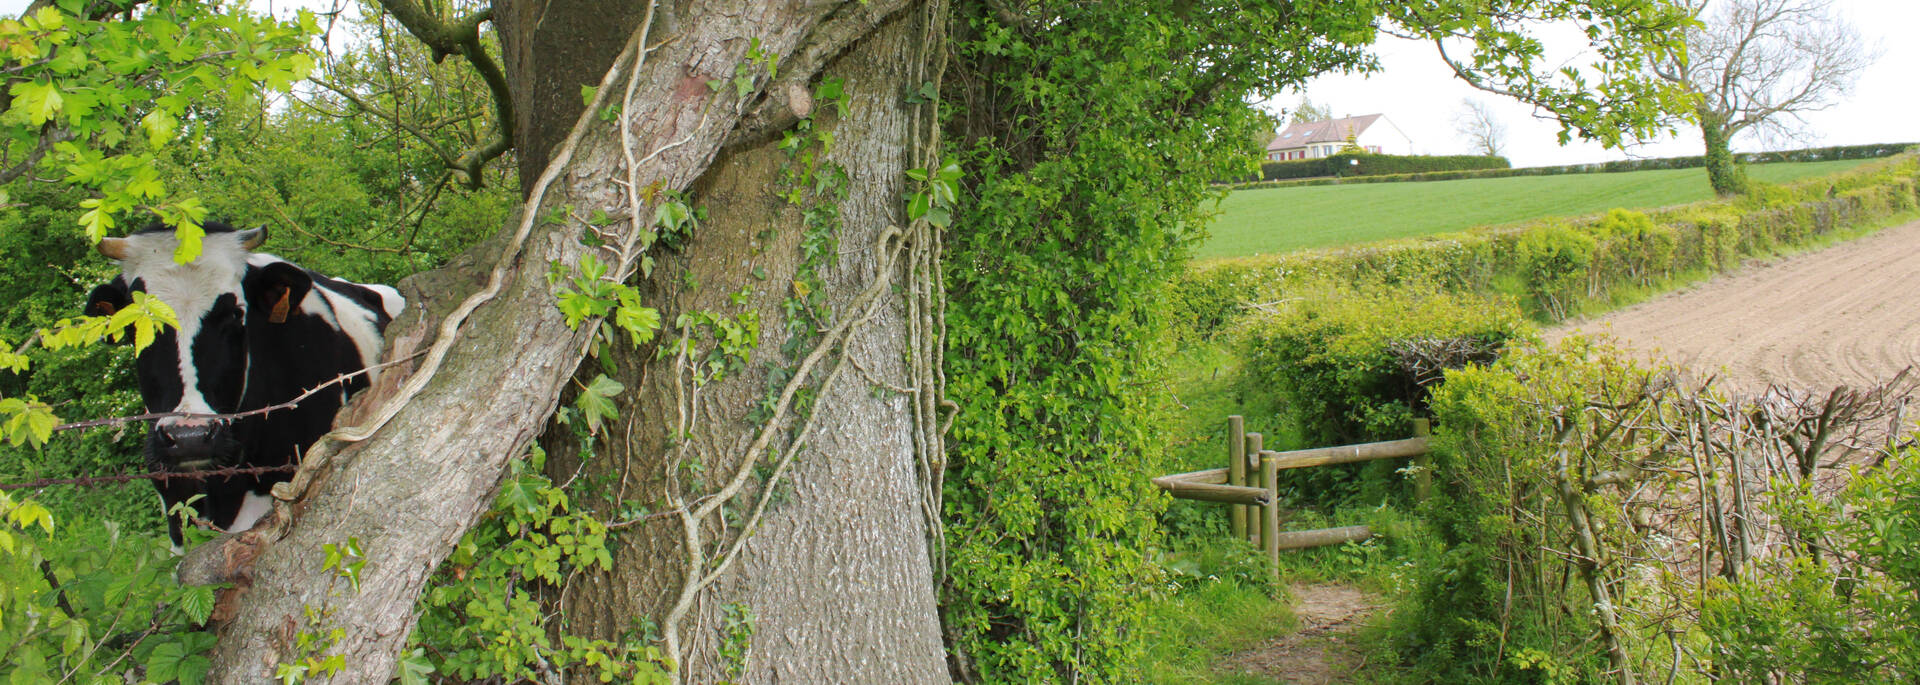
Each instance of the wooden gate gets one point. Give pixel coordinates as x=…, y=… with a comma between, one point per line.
x=1251, y=478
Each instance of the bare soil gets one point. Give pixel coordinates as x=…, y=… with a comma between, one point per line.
x=1320, y=652
x=1844, y=315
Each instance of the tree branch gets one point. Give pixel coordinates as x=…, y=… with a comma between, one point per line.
x=462, y=36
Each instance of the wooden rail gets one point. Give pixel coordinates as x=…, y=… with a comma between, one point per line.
x=1250, y=481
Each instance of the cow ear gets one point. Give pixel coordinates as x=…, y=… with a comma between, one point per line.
x=107, y=299
x=277, y=289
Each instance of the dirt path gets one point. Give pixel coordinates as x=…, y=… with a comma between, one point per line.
x=1318, y=653
x=1848, y=314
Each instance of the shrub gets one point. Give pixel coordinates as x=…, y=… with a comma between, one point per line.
x=1347, y=365
x=1556, y=257
x=1368, y=164
x=1499, y=604
x=1628, y=249
x=1595, y=515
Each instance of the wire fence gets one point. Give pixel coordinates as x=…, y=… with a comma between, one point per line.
x=164, y=475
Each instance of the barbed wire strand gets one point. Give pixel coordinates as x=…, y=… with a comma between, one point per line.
x=91, y=481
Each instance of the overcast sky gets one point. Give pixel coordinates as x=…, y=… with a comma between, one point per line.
x=1421, y=96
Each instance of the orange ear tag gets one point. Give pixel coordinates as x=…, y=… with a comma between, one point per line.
x=279, y=314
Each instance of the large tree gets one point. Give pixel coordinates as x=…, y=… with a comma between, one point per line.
x=1759, y=65
x=732, y=235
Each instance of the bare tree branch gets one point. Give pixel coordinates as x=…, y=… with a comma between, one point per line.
x=462, y=36
x=1484, y=133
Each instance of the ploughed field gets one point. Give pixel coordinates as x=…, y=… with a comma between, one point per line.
x=1275, y=220
x=1845, y=315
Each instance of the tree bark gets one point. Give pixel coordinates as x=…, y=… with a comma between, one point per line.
x=834, y=584
x=430, y=440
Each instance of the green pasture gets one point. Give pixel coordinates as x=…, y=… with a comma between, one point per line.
x=1274, y=220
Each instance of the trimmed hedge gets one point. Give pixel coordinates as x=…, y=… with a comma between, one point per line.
x=1560, y=265
x=1340, y=360
x=1819, y=154
x=1342, y=165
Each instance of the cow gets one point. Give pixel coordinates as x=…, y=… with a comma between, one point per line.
x=255, y=331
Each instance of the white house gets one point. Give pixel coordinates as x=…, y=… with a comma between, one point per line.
x=1310, y=139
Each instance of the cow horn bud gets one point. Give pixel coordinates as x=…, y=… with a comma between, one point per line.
x=253, y=237
x=113, y=248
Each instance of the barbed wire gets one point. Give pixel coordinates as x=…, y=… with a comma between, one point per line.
x=289, y=404
x=89, y=481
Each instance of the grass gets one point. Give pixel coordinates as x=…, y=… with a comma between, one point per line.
x=1275, y=220
x=1223, y=601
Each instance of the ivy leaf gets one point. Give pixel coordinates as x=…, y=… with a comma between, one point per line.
x=596, y=401
x=415, y=668
x=917, y=206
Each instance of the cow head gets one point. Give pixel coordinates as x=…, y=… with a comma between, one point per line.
x=201, y=367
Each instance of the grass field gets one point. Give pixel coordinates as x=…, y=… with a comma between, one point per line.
x=1274, y=220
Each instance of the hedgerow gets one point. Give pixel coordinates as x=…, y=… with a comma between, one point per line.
x=1818, y=154
x=1551, y=262
x=1357, y=366
x=1340, y=360
x=1366, y=164
x=1603, y=520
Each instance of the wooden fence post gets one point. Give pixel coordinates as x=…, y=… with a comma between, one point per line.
x=1237, y=469
x=1423, y=464
x=1255, y=442
x=1270, y=521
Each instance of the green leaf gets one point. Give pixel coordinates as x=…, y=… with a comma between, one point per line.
x=415, y=668
x=917, y=206
x=188, y=248
x=40, y=101
x=163, y=663
x=639, y=322
x=197, y=603
x=160, y=127
x=596, y=401
x=587, y=93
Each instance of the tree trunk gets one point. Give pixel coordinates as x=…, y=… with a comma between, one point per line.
x=430, y=441
x=1723, y=170
x=834, y=583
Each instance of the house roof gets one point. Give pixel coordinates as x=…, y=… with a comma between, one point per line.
x=1326, y=131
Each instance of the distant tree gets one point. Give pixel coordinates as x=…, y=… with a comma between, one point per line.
x=1352, y=146
x=1485, y=133
x=1759, y=65
x=1307, y=111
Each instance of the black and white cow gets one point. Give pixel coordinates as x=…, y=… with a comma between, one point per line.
x=255, y=331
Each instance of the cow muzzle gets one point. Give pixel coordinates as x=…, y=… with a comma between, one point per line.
x=195, y=445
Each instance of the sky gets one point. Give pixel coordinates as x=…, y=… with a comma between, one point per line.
x=1421, y=96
